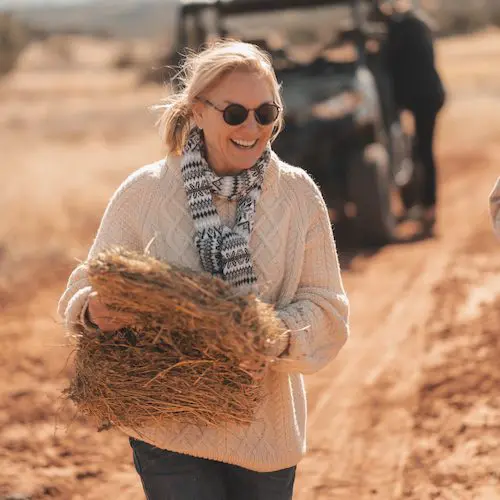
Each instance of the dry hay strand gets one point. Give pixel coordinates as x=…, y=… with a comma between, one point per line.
x=181, y=359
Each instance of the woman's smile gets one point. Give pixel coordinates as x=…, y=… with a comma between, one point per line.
x=244, y=144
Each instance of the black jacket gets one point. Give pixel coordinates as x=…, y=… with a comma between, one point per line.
x=409, y=55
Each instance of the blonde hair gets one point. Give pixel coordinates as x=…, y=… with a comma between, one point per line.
x=203, y=70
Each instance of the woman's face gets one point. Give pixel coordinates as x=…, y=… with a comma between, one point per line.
x=230, y=148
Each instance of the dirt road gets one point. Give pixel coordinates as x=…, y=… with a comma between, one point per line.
x=410, y=409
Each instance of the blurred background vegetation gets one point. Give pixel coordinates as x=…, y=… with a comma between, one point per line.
x=154, y=21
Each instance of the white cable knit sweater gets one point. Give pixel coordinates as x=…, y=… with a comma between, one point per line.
x=297, y=268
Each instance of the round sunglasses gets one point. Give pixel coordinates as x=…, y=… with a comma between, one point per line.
x=236, y=114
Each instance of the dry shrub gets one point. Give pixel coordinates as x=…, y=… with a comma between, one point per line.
x=125, y=59
x=456, y=18
x=14, y=37
x=181, y=359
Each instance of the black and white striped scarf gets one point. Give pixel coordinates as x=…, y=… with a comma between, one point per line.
x=224, y=252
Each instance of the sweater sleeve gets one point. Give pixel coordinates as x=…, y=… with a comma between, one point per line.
x=494, y=204
x=121, y=226
x=317, y=318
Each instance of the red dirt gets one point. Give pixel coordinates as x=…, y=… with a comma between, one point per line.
x=410, y=409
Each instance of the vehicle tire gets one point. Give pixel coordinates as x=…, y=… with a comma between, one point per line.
x=370, y=189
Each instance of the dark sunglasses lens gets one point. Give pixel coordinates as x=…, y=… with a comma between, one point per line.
x=235, y=114
x=266, y=114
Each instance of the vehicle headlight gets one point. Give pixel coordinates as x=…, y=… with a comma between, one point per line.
x=337, y=106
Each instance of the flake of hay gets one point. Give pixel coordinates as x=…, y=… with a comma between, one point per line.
x=180, y=360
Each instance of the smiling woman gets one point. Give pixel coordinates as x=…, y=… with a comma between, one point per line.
x=236, y=137
x=223, y=203
x=231, y=94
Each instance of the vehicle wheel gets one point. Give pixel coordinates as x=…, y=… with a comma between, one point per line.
x=370, y=188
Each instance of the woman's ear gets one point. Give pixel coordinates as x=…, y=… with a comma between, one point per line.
x=198, y=113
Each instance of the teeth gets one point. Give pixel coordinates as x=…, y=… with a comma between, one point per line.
x=245, y=144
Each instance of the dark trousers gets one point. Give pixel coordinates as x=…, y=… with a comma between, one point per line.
x=425, y=126
x=166, y=475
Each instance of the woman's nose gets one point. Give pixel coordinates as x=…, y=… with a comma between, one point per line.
x=251, y=122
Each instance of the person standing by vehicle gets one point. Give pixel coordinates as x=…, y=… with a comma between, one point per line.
x=410, y=60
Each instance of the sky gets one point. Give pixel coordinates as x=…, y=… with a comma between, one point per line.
x=38, y=3
x=41, y=3
x=51, y=3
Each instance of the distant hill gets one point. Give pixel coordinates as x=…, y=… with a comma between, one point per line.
x=116, y=18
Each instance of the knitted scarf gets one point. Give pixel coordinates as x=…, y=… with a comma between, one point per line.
x=224, y=252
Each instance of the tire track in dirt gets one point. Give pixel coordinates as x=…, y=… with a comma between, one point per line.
x=456, y=442
x=361, y=426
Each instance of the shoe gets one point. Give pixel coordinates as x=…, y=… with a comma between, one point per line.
x=424, y=216
x=415, y=213
x=428, y=220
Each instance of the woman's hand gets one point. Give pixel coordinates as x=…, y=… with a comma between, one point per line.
x=256, y=371
x=105, y=319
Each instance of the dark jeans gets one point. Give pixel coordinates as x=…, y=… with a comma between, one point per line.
x=425, y=125
x=166, y=475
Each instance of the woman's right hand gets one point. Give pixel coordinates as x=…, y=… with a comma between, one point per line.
x=105, y=319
